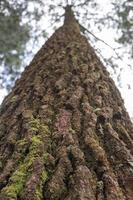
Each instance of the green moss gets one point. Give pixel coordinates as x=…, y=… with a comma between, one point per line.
x=100, y=185
x=14, y=98
x=22, y=142
x=72, y=131
x=100, y=188
x=36, y=126
x=36, y=140
x=108, y=126
x=97, y=110
x=45, y=156
x=34, y=151
x=20, y=176
x=39, y=192
x=121, y=129
x=17, y=181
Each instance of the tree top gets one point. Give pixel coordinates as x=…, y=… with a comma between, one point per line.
x=70, y=18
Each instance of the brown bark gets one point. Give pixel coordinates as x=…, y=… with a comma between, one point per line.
x=65, y=133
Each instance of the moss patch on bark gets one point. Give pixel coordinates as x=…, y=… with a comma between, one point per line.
x=17, y=181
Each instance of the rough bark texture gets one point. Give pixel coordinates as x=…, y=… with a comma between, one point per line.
x=65, y=133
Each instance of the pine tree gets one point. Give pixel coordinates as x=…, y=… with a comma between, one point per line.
x=65, y=133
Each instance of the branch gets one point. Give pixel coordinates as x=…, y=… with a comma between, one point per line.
x=83, y=29
x=84, y=3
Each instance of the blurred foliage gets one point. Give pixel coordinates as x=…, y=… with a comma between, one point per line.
x=21, y=28
x=18, y=25
x=124, y=13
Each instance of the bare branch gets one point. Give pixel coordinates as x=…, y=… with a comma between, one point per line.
x=83, y=4
x=83, y=29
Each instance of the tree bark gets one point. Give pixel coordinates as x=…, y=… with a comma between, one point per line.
x=64, y=130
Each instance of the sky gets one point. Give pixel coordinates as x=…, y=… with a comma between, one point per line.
x=108, y=36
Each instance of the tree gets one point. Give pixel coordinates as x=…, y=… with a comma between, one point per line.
x=65, y=133
x=124, y=19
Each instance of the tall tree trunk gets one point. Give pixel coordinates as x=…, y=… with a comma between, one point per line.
x=65, y=133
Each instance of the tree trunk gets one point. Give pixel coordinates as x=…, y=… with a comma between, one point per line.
x=65, y=134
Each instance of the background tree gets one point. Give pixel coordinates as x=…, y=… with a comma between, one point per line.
x=65, y=133
x=19, y=26
x=124, y=15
